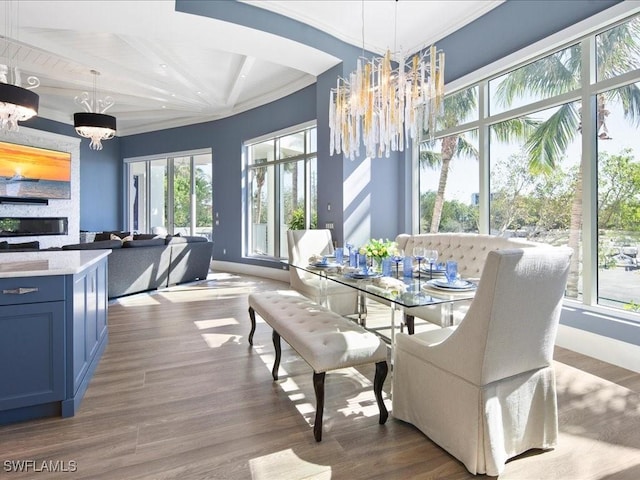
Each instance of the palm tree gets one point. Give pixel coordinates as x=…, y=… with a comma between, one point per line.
x=456, y=108
x=617, y=52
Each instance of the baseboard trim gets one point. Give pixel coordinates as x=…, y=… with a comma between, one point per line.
x=610, y=350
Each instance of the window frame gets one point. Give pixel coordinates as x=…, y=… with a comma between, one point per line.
x=277, y=163
x=583, y=34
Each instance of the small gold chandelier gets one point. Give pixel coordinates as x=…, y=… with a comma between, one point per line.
x=380, y=106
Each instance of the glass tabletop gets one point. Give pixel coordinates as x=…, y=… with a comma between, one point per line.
x=404, y=292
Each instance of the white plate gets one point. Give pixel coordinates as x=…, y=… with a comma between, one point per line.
x=325, y=265
x=458, y=286
x=361, y=276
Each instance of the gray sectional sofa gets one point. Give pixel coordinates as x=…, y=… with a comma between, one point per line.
x=147, y=263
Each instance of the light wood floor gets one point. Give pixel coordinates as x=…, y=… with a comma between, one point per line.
x=179, y=394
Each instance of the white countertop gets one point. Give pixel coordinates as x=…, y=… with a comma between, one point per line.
x=44, y=263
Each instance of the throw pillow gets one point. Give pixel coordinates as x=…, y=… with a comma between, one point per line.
x=128, y=238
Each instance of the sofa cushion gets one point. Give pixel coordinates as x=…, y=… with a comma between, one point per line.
x=153, y=242
x=104, y=244
x=146, y=236
x=35, y=245
x=107, y=235
x=178, y=239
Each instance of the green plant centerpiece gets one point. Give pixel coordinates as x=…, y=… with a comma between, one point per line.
x=377, y=250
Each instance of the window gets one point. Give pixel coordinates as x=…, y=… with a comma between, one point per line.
x=531, y=132
x=449, y=184
x=282, y=186
x=174, y=192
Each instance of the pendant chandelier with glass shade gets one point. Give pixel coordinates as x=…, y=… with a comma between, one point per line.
x=380, y=106
x=17, y=103
x=94, y=123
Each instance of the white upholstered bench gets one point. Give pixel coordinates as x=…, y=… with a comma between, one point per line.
x=324, y=339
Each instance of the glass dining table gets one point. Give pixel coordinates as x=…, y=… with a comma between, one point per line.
x=402, y=294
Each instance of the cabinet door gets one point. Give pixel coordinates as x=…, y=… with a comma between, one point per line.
x=89, y=319
x=31, y=354
x=101, y=298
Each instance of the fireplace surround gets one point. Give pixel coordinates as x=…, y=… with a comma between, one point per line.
x=33, y=226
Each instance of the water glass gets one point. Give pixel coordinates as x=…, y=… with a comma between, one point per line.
x=353, y=257
x=386, y=267
x=407, y=267
x=451, y=271
x=339, y=255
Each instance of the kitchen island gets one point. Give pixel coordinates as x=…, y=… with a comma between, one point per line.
x=53, y=330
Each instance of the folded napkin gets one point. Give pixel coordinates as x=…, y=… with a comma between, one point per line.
x=315, y=258
x=346, y=269
x=389, y=283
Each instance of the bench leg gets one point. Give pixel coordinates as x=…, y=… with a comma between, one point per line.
x=381, y=373
x=276, y=363
x=318, y=386
x=252, y=316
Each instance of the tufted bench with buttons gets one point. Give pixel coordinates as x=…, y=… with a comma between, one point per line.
x=324, y=339
x=470, y=250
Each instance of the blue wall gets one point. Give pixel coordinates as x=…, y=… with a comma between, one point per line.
x=100, y=178
x=225, y=137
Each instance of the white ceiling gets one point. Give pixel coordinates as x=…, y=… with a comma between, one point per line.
x=165, y=68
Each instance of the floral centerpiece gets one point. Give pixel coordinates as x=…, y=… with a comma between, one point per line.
x=378, y=249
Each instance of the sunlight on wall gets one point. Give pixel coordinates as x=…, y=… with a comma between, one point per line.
x=271, y=466
x=357, y=202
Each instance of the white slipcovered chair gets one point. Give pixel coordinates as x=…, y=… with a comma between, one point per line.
x=302, y=244
x=485, y=390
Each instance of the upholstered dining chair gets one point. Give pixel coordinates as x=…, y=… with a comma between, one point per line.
x=303, y=244
x=485, y=390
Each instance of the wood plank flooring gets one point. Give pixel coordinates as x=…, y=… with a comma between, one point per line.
x=179, y=394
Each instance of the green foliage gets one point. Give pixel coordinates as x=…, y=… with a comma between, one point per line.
x=456, y=216
x=182, y=197
x=297, y=220
x=619, y=192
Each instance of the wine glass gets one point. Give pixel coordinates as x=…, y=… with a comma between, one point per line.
x=419, y=255
x=350, y=247
x=431, y=256
x=397, y=257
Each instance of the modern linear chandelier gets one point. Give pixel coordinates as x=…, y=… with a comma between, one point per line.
x=17, y=103
x=380, y=106
x=93, y=123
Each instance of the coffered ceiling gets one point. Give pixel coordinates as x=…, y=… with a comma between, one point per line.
x=165, y=68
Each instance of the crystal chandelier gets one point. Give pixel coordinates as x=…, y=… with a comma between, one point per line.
x=380, y=106
x=93, y=123
x=17, y=103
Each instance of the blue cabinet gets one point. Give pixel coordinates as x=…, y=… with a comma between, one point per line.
x=53, y=330
x=87, y=337
x=31, y=354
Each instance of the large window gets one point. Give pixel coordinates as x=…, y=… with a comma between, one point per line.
x=173, y=192
x=281, y=179
x=558, y=141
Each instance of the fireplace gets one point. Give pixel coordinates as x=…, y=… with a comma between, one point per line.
x=33, y=226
